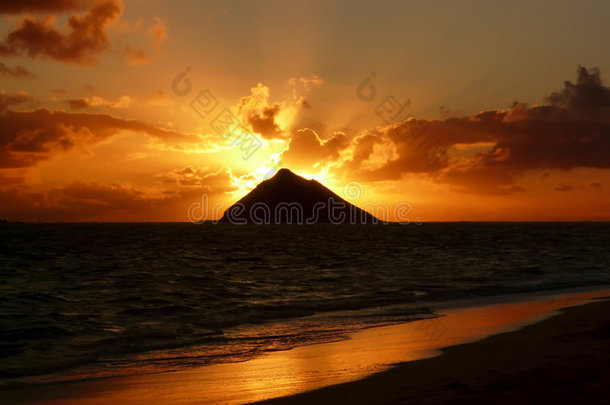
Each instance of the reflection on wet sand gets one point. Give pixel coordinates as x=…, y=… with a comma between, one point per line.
x=305, y=368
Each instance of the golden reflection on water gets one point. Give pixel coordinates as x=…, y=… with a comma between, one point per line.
x=308, y=367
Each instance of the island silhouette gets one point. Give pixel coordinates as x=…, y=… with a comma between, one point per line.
x=287, y=198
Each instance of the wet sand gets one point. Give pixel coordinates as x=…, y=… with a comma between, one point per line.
x=557, y=358
x=561, y=360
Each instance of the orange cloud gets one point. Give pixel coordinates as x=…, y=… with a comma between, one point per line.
x=258, y=115
x=32, y=136
x=136, y=56
x=159, y=98
x=8, y=179
x=9, y=100
x=90, y=201
x=264, y=122
x=306, y=150
x=563, y=188
x=308, y=83
x=86, y=39
x=201, y=177
x=158, y=31
x=269, y=119
x=486, y=153
x=17, y=72
x=81, y=201
x=95, y=101
x=139, y=55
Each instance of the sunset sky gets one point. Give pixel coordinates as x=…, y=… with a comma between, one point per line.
x=111, y=110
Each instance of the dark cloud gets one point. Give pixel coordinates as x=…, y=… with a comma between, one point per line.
x=218, y=181
x=363, y=147
x=96, y=101
x=264, y=123
x=78, y=103
x=135, y=56
x=563, y=188
x=42, y=6
x=86, y=39
x=587, y=95
x=79, y=201
x=29, y=137
x=259, y=115
x=303, y=103
x=8, y=179
x=472, y=177
x=91, y=201
x=9, y=100
x=572, y=131
x=306, y=149
x=17, y=72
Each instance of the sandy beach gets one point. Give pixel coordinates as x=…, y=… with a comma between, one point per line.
x=561, y=360
x=529, y=357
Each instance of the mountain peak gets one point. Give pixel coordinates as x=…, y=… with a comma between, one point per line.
x=289, y=198
x=285, y=172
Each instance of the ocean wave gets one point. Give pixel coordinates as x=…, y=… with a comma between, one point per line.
x=134, y=296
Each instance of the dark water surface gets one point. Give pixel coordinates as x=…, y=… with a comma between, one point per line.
x=91, y=300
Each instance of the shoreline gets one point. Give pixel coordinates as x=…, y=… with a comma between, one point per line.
x=561, y=359
x=313, y=367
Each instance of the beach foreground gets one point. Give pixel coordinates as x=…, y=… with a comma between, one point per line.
x=560, y=360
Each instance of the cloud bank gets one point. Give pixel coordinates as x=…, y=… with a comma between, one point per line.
x=484, y=153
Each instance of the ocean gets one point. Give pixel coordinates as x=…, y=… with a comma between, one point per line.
x=91, y=300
